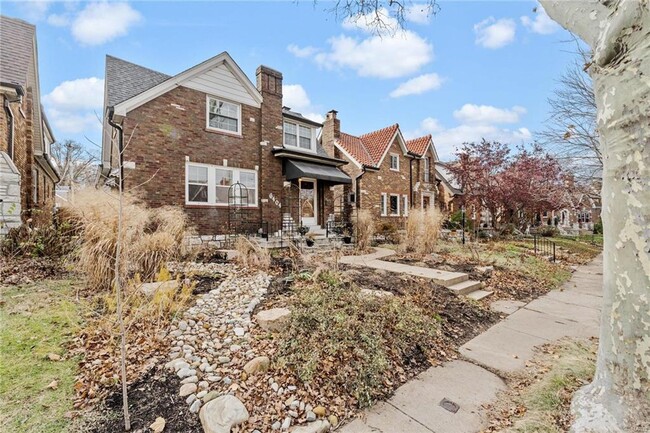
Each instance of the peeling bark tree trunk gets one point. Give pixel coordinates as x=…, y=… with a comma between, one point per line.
x=618, y=31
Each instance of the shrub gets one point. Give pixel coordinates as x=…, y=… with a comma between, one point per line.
x=388, y=231
x=364, y=228
x=598, y=227
x=369, y=337
x=149, y=238
x=548, y=231
x=422, y=231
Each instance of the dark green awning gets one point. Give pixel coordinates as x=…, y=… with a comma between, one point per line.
x=297, y=169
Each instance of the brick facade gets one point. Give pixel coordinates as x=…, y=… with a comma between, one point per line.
x=169, y=130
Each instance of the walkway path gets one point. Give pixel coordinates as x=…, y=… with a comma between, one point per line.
x=455, y=281
x=573, y=311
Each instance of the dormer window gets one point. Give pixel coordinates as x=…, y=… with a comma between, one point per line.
x=224, y=116
x=297, y=135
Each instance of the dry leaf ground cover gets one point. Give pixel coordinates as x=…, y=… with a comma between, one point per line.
x=538, y=399
x=37, y=324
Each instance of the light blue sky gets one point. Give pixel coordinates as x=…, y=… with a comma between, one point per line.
x=478, y=68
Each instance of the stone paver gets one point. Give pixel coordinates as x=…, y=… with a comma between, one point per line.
x=573, y=311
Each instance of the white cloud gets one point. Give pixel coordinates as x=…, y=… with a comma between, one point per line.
x=35, y=10
x=417, y=85
x=487, y=114
x=59, y=20
x=72, y=105
x=541, y=24
x=381, y=52
x=473, y=126
x=418, y=13
x=295, y=97
x=492, y=33
x=302, y=52
x=101, y=22
x=379, y=56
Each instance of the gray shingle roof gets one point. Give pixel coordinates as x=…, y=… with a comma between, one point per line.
x=17, y=50
x=125, y=80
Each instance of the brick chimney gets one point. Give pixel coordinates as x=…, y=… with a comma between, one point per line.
x=331, y=132
x=269, y=84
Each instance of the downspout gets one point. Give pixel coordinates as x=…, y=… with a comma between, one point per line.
x=411, y=183
x=120, y=143
x=357, y=187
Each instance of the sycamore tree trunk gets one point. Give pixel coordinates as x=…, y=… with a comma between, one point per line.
x=618, y=32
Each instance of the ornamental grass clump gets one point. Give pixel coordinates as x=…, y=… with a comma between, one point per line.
x=422, y=231
x=150, y=238
x=364, y=229
x=356, y=342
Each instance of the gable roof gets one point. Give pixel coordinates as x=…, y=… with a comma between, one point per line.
x=17, y=39
x=172, y=82
x=369, y=149
x=124, y=80
x=419, y=145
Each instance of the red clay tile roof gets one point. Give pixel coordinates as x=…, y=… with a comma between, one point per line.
x=356, y=149
x=418, y=145
x=378, y=141
x=368, y=148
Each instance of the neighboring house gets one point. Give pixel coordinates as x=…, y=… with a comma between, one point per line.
x=28, y=174
x=449, y=191
x=581, y=212
x=223, y=149
x=389, y=174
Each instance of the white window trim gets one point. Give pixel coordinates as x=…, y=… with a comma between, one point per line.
x=398, y=204
x=427, y=170
x=405, y=199
x=212, y=184
x=297, y=146
x=391, y=161
x=384, y=204
x=207, y=116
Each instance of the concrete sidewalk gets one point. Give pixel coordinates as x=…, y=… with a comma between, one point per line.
x=571, y=311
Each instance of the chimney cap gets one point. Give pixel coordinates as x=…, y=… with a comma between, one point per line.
x=332, y=114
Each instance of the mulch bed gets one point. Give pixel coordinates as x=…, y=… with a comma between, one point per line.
x=154, y=395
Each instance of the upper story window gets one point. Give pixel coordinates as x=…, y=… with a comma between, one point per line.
x=426, y=169
x=394, y=162
x=297, y=135
x=224, y=115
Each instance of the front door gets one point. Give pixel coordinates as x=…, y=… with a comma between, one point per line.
x=308, y=202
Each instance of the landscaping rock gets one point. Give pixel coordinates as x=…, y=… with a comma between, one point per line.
x=187, y=389
x=485, y=270
x=286, y=423
x=273, y=320
x=149, y=289
x=210, y=396
x=320, y=426
x=311, y=416
x=377, y=293
x=334, y=420
x=257, y=365
x=320, y=411
x=222, y=413
x=158, y=425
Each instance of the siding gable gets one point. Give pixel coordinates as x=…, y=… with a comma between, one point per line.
x=221, y=81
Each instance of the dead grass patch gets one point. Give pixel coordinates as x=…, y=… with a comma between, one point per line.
x=364, y=229
x=539, y=398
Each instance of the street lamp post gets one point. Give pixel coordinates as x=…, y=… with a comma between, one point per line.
x=462, y=211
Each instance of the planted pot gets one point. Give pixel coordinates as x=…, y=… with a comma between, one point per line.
x=310, y=242
x=347, y=239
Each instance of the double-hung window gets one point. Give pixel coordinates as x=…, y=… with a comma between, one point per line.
x=297, y=135
x=224, y=115
x=211, y=184
x=197, y=184
x=394, y=162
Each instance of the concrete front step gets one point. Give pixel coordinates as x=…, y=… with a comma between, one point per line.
x=465, y=287
x=477, y=295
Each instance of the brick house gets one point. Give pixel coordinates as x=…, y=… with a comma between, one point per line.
x=390, y=175
x=28, y=174
x=223, y=149
x=449, y=191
